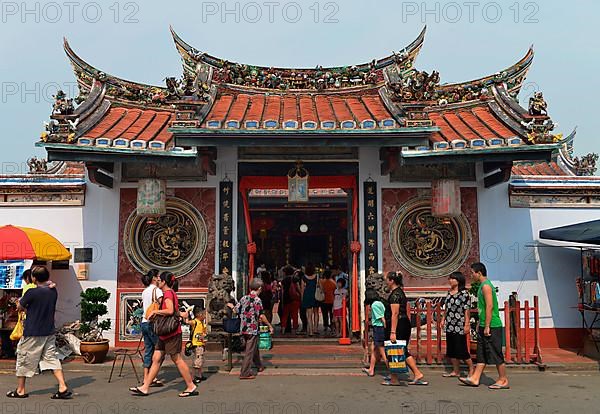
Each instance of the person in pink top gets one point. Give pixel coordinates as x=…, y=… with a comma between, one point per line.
x=170, y=344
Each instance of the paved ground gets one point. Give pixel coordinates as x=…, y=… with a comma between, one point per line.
x=278, y=392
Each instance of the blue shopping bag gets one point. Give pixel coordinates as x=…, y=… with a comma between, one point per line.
x=396, y=356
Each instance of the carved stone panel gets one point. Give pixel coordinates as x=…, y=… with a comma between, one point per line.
x=175, y=241
x=425, y=245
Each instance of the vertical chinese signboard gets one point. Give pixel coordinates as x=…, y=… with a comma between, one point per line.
x=370, y=211
x=225, y=228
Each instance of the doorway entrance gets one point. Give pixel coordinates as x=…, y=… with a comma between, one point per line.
x=299, y=236
x=342, y=195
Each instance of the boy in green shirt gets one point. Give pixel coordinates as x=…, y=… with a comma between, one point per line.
x=489, y=335
x=378, y=322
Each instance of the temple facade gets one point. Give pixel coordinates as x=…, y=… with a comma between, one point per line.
x=371, y=168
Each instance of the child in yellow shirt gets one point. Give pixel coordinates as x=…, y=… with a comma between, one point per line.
x=197, y=340
x=28, y=281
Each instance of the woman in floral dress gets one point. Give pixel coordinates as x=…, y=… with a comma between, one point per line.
x=456, y=322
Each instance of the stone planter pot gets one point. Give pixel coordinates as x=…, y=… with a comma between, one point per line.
x=94, y=352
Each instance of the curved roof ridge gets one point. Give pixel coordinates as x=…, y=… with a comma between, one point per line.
x=410, y=51
x=96, y=73
x=513, y=76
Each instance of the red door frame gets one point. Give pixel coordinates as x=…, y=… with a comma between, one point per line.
x=344, y=182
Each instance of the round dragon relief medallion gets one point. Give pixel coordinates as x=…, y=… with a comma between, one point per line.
x=175, y=242
x=428, y=246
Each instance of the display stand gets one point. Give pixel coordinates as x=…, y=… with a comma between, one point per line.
x=589, y=298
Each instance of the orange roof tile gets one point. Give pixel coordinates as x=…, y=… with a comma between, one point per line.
x=110, y=119
x=307, y=109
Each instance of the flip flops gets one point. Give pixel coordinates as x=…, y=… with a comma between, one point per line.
x=467, y=382
x=137, y=392
x=157, y=384
x=499, y=387
x=186, y=394
x=388, y=383
x=366, y=371
x=15, y=394
x=449, y=375
x=65, y=395
x=419, y=381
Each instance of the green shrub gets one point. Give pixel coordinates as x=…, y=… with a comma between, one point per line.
x=93, y=306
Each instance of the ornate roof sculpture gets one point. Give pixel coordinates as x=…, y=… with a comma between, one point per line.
x=386, y=102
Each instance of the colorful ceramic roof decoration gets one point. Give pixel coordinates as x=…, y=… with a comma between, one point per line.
x=386, y=102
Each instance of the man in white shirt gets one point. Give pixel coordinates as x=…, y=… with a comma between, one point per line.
x=150, y=295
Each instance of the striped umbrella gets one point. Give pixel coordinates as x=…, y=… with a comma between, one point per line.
x=23, y=243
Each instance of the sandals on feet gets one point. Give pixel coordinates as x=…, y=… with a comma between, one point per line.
x=366, y=371
x=15, y=394
x=189, y=393
x=65, y=395
x=450, y=375
x=137, y=392
x=157, y=384
x=468, y=382
x=388, y=383
x=419, y=381
x=499, y=387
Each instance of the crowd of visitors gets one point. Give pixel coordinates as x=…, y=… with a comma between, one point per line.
x=289, y=291
x=304, y=294
x=390, y=323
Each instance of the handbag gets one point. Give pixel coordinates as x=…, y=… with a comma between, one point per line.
x=232, y=325
x=319, y=293
x=164, y=325
x=154, y=306
x=17, y=332
x=396, y=356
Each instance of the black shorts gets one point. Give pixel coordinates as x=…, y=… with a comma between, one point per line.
x=378, y=335
x=456, y=346
x=489, y=348
x=403, y=332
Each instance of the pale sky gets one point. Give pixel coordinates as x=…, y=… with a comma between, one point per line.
x=130, y=39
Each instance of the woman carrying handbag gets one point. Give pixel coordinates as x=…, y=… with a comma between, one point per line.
x=167, y=319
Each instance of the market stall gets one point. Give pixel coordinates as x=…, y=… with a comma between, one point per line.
x=21, y=247
x=588, y=283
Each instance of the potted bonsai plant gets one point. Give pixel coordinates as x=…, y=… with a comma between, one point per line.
x=93, y=306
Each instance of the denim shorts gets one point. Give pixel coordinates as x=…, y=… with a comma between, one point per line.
x=150, y=341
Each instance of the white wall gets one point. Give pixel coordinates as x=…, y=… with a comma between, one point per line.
x=94, y=225
x=506, y=239
x=101, y=233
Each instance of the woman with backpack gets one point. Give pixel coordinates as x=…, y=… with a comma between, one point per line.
x=399, y=327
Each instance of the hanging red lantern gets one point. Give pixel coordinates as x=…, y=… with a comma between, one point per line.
x=445, y=198
x=263, y=223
